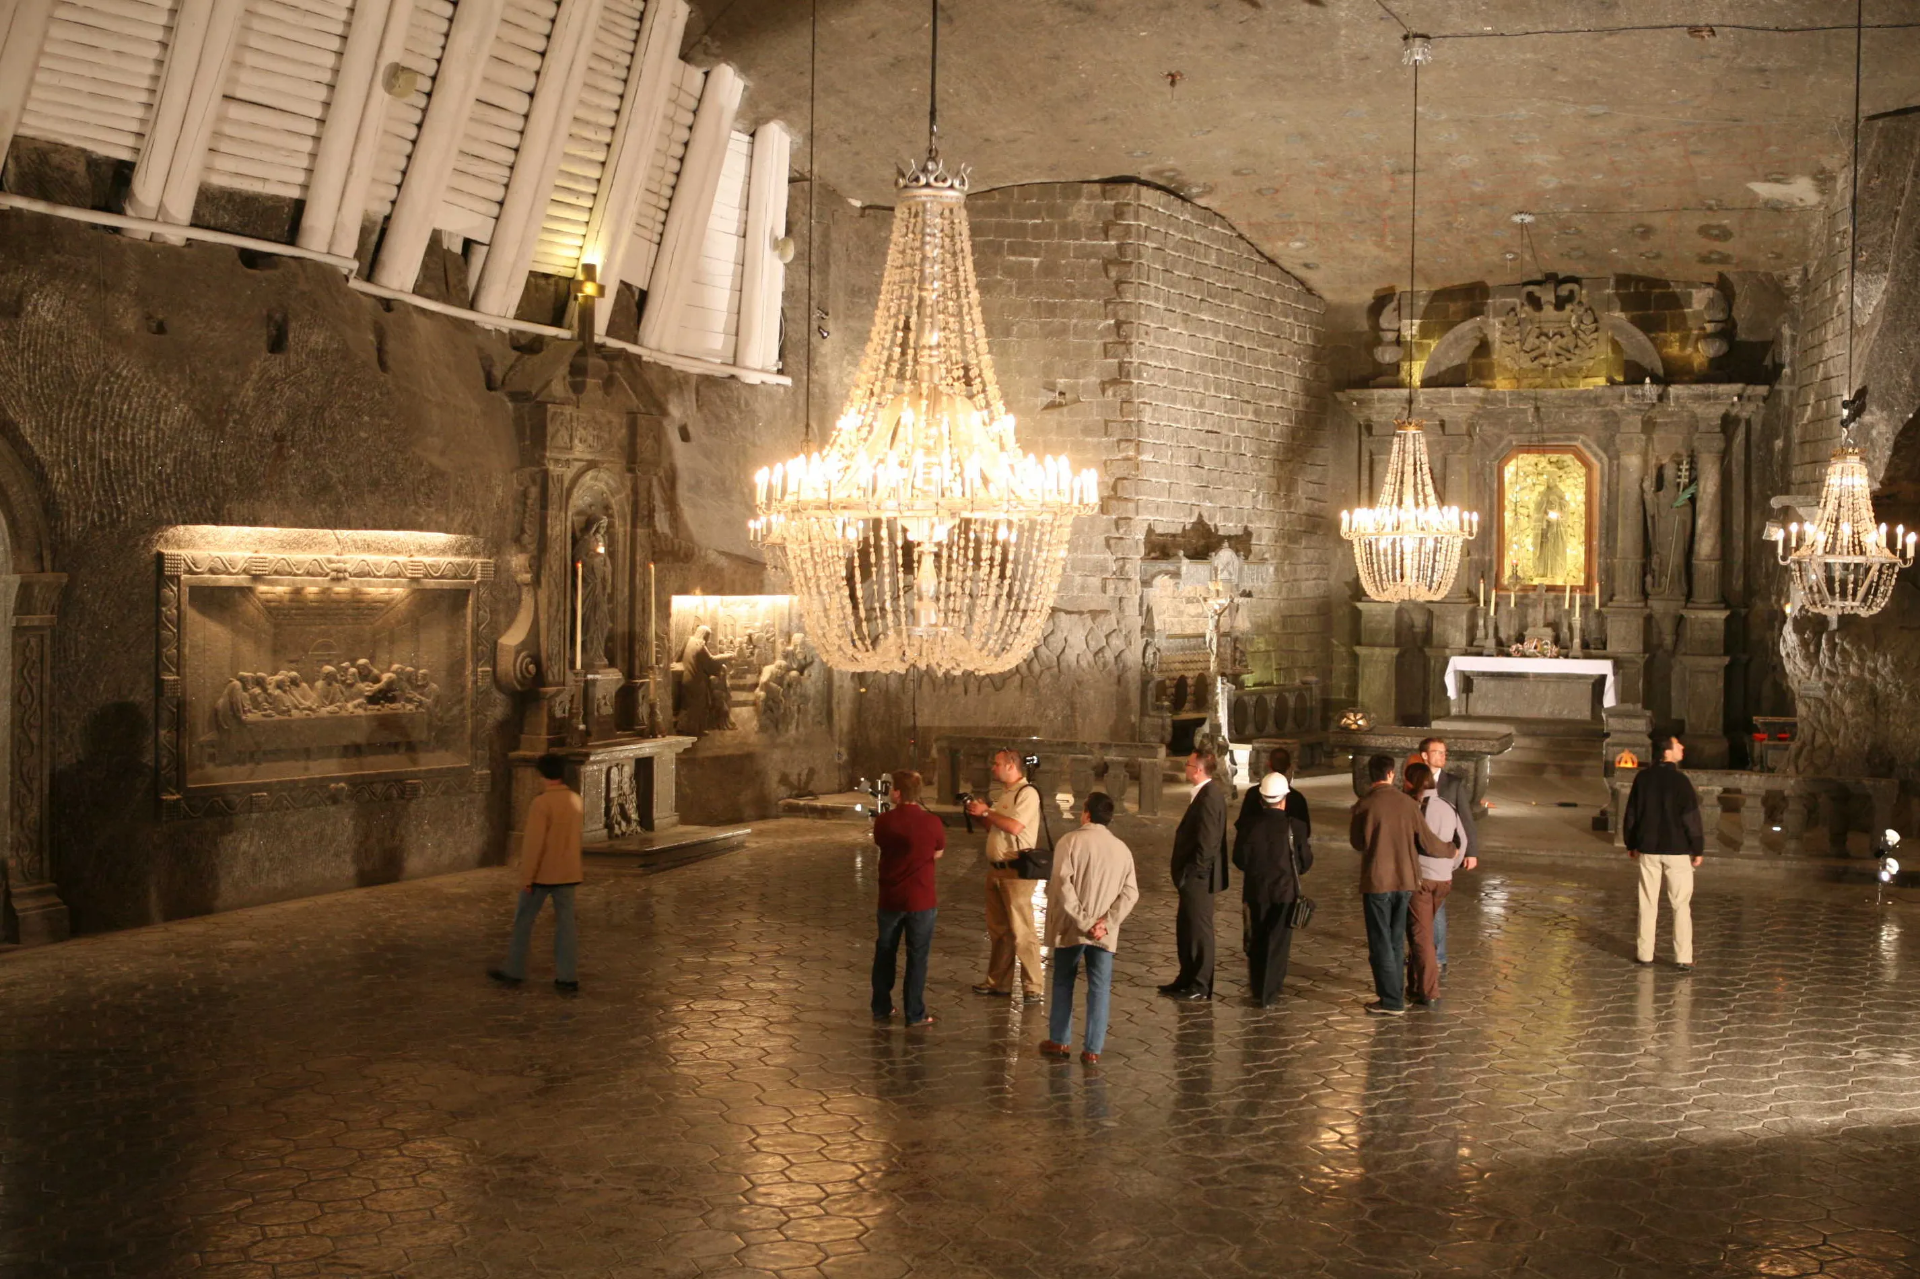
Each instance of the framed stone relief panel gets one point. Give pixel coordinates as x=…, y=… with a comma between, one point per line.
x=289, y=679
x=1549, y=510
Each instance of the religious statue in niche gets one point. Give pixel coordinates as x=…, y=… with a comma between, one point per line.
x=743, y=664
x=593, y=596
x=780, y=696
x=1544, y=499
x=1668, y=492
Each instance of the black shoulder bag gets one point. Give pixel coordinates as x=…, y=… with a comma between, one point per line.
x=1036, y=862
x=1300, y=914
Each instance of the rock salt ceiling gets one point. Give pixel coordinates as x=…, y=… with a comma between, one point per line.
x=1655, y=152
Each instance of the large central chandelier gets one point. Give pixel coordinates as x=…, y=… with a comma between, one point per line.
x=1408, y=546
x=922, y=537
x=1842, y=563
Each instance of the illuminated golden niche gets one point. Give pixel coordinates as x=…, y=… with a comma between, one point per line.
x=1544, y=499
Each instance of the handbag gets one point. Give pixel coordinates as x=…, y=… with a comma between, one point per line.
x=1300, y=910
x=1036, y=862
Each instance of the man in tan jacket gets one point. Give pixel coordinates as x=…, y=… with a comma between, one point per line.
x=1390, y=834
x=1092, y=889
x=548, y=866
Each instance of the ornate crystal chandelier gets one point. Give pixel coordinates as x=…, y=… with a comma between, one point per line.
x=1407, y=546
x=1842, y=562
x=922, y=537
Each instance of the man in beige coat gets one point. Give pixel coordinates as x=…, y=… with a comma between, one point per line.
x=549, y=866
x=1092, y=890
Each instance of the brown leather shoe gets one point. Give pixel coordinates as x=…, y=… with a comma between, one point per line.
x=1050, y=1049
x=1090, y=1059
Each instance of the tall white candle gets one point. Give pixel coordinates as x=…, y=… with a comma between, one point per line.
x=579, y=578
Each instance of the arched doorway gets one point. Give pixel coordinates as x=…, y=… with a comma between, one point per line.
x=29, y=602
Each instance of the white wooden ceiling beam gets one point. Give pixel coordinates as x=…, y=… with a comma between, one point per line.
x=369, y=131
x=636, y=133
x=23, y=30
x=685, y=234
x=357, y=80
x=763, y=276
x=543, y=143
x=462, y=67
x=166, y=178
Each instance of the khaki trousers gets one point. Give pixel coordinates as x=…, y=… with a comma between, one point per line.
x=1677, y=870
x=1010, y=929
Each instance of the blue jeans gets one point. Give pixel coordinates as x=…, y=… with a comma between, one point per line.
x=1066, y=966
x=566, y=940
x=917, y=927
x=1440, y=934
x=1387, y=944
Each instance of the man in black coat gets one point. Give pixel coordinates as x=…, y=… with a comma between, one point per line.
x=1199, y=871
x=1663, y=831
x=1279, y=760
x=1271, y=851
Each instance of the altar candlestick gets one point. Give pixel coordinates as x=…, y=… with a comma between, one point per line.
x=579, y=583
x=653, y=640
x=1483, y=593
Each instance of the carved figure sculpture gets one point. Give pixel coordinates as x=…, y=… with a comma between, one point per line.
x=770, y=698
x=330, y=693
x=706, y=703
x=1669, y=491
x=595, y=588
x=1550, y=533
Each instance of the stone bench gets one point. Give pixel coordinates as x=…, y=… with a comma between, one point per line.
x=1083, y=766
x=1836, y=803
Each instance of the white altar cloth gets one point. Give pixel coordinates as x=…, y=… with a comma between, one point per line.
x=1533, y=666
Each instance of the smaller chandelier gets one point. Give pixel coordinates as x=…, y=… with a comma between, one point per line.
x=1407, y=547
x=1842, y=563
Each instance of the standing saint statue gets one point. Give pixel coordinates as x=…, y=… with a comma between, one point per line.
x=1551, y=535
x=593, y=578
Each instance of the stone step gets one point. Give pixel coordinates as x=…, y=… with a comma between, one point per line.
x=652, y=851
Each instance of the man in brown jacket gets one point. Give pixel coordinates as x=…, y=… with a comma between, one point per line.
x=549, y=866
x=1389, y=833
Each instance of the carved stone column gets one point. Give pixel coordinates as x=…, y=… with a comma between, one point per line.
x=1630, y=546
x=1709, y=451
x=39, y=914
x=1377, y=659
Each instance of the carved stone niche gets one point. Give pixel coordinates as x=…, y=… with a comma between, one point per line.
x=304, y=667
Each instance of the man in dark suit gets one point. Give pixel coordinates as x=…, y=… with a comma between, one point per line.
x=1199, y=871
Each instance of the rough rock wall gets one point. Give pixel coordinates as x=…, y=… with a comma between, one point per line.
x=1141, y=334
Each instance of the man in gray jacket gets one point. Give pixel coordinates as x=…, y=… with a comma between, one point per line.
x=1091, y=891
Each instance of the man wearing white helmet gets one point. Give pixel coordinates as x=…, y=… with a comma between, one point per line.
x=1271, y=852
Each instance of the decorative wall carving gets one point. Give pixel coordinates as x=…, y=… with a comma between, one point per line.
x=411, y=721
x=1545, y=324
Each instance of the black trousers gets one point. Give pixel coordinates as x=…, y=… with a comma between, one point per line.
x=1193, y=938
x=1269, y=943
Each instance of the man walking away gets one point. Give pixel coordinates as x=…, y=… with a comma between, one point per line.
x=1012, y=824
x=911, y=840
x=1457, y=790
x=1390, y=834
x=1199, y=871
x=549, y=867
x=1271, y=852
x=1663, y=832
x=1436, y=881
x=1092, y=890
x=1279, y=760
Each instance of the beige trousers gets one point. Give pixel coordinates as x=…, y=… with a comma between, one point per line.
x=1677, y=870
x=1011, y=931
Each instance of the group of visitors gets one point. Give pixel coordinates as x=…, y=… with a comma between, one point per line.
x=1412, y=836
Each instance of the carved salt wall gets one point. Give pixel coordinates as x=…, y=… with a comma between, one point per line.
x=145, y=386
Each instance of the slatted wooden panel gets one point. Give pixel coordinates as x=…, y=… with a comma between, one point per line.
x=484, y=163
x=278, y=91
x=563, y=227
x=710, y=320
x=662, y=174
x=99, y=75
x=426, y=40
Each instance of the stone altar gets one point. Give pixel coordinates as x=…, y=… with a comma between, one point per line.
x=1468, y=752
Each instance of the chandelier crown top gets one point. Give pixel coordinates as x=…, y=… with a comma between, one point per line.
x=932, y=174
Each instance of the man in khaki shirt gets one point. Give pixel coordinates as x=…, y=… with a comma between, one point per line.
x=1012, y=825
x=548, y=866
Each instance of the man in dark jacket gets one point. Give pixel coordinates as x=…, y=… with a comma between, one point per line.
x=1456, y=792
x=1663, y=832
x=1279, y=760
x=1390, y=834
x=1271, y=851
x=1199, y=871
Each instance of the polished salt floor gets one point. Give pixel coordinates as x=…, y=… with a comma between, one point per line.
x=331, y=1087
